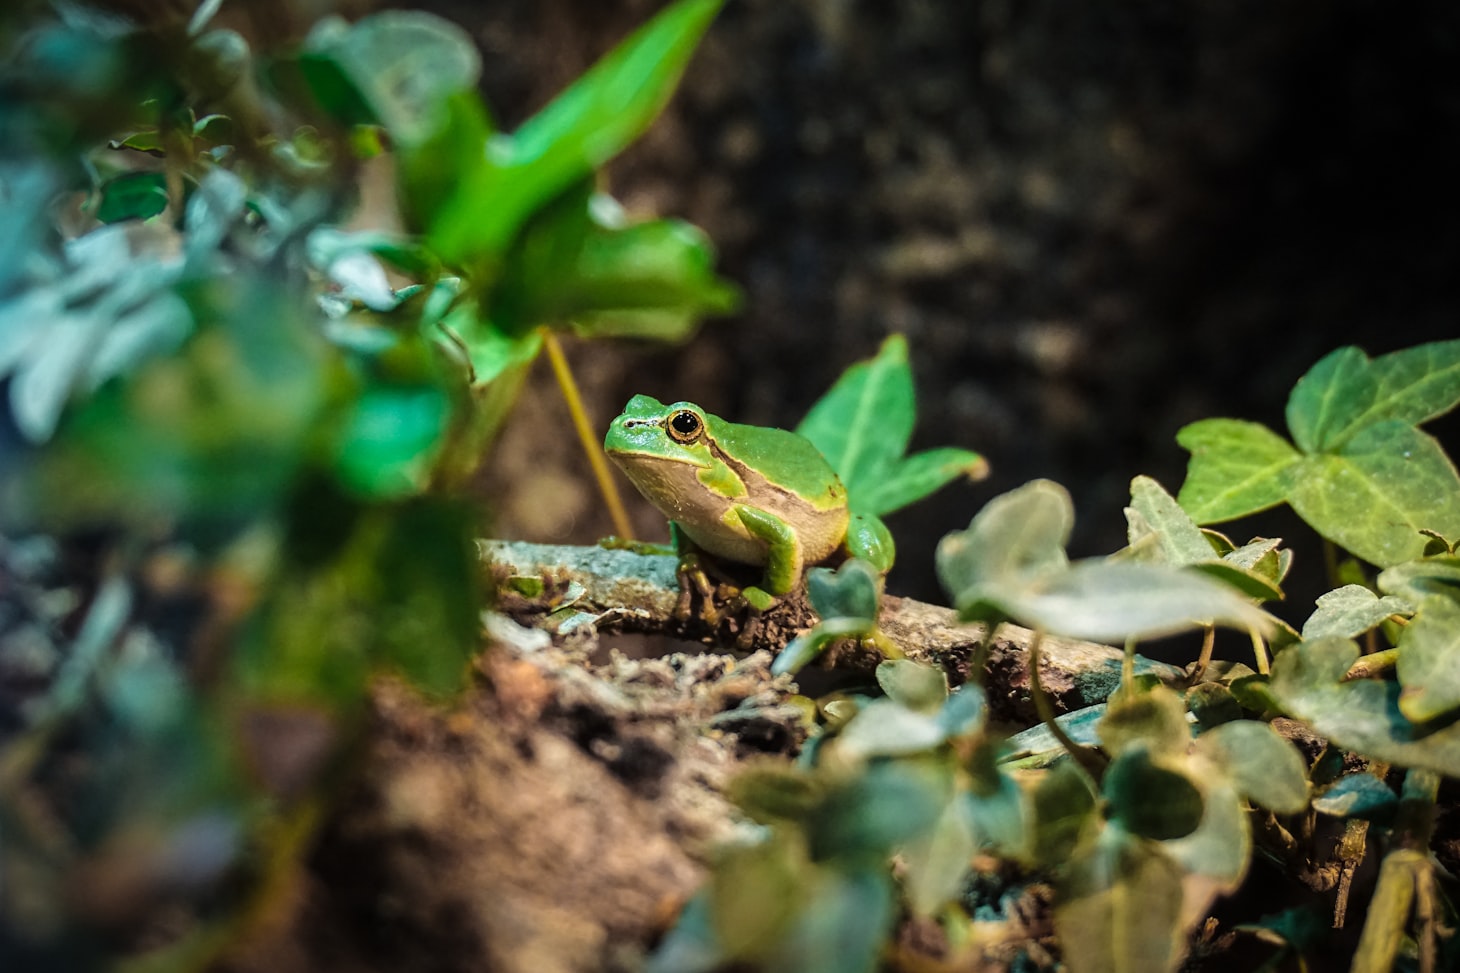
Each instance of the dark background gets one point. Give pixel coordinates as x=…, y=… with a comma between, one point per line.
x=1095, y=222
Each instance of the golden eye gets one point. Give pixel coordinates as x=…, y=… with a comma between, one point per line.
x=685, y=427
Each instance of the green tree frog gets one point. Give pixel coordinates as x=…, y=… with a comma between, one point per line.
x=750, y=494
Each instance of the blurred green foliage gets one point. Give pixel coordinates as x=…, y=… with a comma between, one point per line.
x=205, y=372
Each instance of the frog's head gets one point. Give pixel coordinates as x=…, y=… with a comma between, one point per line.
x=650, y=433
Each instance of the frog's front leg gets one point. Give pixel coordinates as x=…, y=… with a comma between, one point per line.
x=784, y=559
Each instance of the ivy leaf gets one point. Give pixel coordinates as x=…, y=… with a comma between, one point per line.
x=911, y=478
x=1120, y=899
x=1237, y=468
x=862, y=425
x=1109, y=601
x=132, y=196
x=1327, y=399
x=912, y=684
x=401, y=64
x=1151, y=798
x=1266, y=768
x=1429, y=660
x=1310, y=681
x=1360, y=795
x=938, y=862
x=1181, y=542
x=1017, y=538
x=1350, y=611
x=1376, y=493
x=1347, y=393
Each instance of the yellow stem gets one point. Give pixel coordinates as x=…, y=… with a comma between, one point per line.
x=587, y=437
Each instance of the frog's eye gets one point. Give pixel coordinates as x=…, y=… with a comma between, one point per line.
x=685, y=427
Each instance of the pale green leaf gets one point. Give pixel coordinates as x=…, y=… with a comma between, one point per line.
x=886, y=728
x=1414, y=580
x=1350, y=611
x=863, y=423
x=1220, y=848
x=1120, y=900
x=1181, y=541
x=1267, y=769
x=912, y=684
x=938, y=862
x=1309, y=680
x=1374, y=496
x=1109, y=601
x=1017, y=537
x=1249, y=582
x=911, y=478
x=1429, y=660
x=1154, y=720
x=1237, y=468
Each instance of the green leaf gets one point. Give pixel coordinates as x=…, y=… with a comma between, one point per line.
x=1110, y=601
x=1374, y=496
x=1350, y=611
x=1154, y=720
x=844, y=926
x=402, y=63
x=1215, y=855
x=1416, y=580
x=1212, y=704
x=1346, y=393
x=1237, y=468
x=938, y=863
x=1063, y=803
x=889, y=803
x=772, y=791
x=912, y=684
x=1266, y=768
x=597, y=117
x=1016, y=538
x=863, y=423
x=851, y=591
x=1150, y=799
x=132, y=196
x=1429, y=660
x=1120, y=900
x=1181, y=541
x=755, y=891
x=1327, y=399
x=1360, y=795
x=1251, y=583
x=491, y=351
x=390, y=439
x=887, y=728
x=1309, y=680
x=914, y=477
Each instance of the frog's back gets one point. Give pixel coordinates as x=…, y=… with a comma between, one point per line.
x=782, y=459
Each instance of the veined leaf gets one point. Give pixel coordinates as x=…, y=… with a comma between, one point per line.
x=863, y=424
x=1017, y=537
x=1264, y=766
x=1110, y=601
x=1429, y=660
x=914, y=477
x=1373, y=496
x=1181, y=541
x=1309, y=680
x=1327, y=399
x=1350, y=611
x=1237, y=468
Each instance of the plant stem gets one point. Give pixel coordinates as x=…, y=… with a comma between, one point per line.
x=1090, y=761
x=587, y=437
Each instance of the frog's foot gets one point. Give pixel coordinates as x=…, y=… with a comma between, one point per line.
x=615, y=543
x=694, y=579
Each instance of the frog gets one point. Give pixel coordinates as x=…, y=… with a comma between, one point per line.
x=754, y=495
